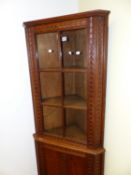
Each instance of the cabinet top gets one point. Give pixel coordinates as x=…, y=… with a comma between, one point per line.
x=67, y=17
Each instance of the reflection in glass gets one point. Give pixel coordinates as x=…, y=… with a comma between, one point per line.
x=51, y=88
x=74, y=48
x=75, y=90
x=48, y=54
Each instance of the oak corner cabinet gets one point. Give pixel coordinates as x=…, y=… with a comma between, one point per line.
x=67, y=63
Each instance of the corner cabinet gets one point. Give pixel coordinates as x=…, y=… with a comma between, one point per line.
x=67, y=62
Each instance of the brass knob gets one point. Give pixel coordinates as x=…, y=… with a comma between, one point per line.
x=70, y=52
x=78, y=52
x=50, y=50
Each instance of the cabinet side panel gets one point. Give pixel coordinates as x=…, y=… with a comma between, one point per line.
x=40, y=159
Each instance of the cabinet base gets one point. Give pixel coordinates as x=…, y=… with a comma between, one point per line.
x=53, y=161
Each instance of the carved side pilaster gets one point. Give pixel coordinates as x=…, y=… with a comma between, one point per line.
x=35, y=83
x=95, y=81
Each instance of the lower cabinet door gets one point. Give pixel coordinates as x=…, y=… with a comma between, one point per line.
x=76, y=165
x=52, y=162
x=49, y=162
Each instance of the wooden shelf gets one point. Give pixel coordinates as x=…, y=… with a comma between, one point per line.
x=64, y=145
x=55, y=101
x=76, y=134
x=74, y=102
x=50, y=69
x=72, y=132
x=55, y=131
x=74, y=69
x=70, y=101
x=70, y=69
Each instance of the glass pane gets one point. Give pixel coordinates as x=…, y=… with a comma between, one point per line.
x=74, y=48
x=76, y=124
x=52, y=120
x=75, y=90
x=48, y=54
x=51, y=88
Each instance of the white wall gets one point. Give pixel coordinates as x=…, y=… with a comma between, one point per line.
x=16, y=117
x=118, y=110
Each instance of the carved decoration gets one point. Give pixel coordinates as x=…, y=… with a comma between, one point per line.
x=78, y=23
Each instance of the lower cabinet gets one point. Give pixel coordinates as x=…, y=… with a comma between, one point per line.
x=57, y=162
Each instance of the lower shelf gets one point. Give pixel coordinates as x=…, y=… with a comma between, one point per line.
x=55, y=131
x=72, y=132
x=75, y=133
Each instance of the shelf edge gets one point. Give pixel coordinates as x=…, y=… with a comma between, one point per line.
x=64, y=144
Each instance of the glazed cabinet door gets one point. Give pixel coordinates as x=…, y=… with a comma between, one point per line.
x=74, y=64
x=62, y=64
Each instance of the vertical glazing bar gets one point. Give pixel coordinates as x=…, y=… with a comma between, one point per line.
x=60, y=50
